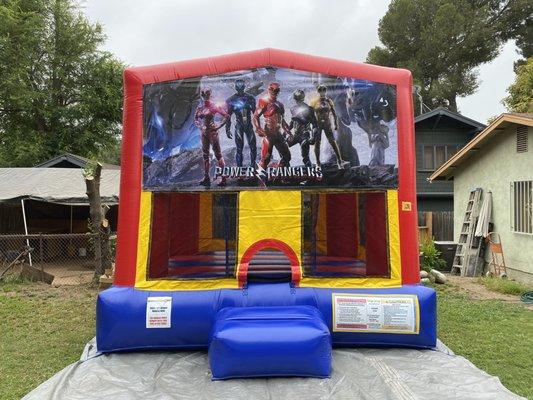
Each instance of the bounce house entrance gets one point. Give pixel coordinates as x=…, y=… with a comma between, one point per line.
x=269, y=260
x=269, y=265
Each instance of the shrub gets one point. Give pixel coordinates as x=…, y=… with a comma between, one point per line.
x=430, y=256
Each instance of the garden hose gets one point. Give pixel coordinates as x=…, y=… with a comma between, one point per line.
x=527, y=297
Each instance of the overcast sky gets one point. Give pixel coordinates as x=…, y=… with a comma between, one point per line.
x=144, y=32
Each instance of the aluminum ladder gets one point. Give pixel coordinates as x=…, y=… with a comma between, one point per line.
x=464, y=250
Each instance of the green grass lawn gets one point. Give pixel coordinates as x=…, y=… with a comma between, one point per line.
x=495, y=336
x=505, y=286
x=44, y=329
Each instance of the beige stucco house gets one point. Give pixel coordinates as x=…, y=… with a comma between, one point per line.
x=499, y=160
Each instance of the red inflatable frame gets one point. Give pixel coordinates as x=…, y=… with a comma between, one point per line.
x=131, y=162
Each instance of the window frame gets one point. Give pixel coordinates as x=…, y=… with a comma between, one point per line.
x=434, y=146
x=521, y=205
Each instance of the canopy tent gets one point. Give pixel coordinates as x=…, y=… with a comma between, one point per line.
x=55, y=185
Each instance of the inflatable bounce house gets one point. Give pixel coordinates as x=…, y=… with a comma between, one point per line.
x=267, y=213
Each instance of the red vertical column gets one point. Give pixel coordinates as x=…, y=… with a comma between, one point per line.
x=376, y=243
x=407, y=181
x=130, y=181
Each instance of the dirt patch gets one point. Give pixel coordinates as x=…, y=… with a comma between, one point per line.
x=478, y=291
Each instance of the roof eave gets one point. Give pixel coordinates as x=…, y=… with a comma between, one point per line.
x=446, y=170
x=459, y=117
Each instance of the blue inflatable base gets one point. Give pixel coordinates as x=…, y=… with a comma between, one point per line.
x=252, y=342
x=121, y=315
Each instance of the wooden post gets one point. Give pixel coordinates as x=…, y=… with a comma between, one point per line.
x=26, y=230
x=41, y=258
x=429, y=224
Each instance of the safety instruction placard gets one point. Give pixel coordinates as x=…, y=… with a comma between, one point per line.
x=158, y=310
x=375, y=313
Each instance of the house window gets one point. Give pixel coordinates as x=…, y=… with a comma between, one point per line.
x=522, y=206
x=429, y=158
x=521, y=139
x=433, y=156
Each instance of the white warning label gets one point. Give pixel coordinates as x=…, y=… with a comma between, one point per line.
x=158, y=311
x=378, y=314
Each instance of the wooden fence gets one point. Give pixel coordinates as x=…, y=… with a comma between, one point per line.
x=436, y=224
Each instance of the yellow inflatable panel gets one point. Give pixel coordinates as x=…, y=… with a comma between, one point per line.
x=270, y=215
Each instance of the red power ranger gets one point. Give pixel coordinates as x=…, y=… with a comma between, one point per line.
x=204, y=119
x=273, y=112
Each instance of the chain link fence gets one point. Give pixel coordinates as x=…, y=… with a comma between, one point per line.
x=57, y=259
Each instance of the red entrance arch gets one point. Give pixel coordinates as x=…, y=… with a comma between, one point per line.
x=296, y=273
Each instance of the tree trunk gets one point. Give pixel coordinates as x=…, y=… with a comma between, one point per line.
x=105, y=240
x=452, y=103
x=92, y=182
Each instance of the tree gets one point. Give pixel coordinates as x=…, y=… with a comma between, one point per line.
x=443, y=41
x=58, y=91
x=520, y=97
x=99, y=225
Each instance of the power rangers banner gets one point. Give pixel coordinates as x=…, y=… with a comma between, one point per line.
x=269, y=128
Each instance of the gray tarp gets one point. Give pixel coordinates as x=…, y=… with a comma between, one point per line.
x=369, y=374
x=55, y=185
